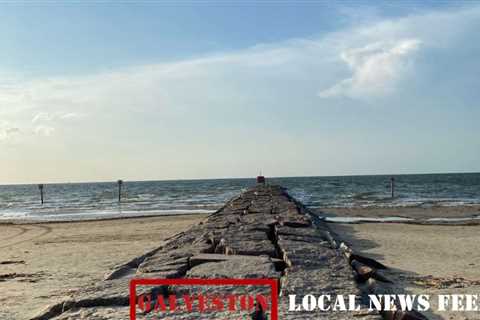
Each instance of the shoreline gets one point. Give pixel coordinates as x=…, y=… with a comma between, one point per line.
x=473, y=221
x=37, y=221
x=435, y=215
x=467, y=215
x=43, y=262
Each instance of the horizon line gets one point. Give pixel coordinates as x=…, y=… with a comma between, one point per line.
x=239, y=178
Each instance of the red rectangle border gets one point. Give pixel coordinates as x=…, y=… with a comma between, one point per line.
x=205, y=282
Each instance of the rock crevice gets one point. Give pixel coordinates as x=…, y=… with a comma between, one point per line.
x=262, y=233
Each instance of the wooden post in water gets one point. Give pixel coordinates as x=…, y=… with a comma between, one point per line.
x=40, y=187
x=392, y=186
x=120, y=183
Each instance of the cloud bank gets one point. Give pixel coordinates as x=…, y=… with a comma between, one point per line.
x=385, y=64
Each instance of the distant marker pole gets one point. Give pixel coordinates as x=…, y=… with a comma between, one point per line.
x=40, y=187
x=260, y=179
x=120, y=183
x=392, y=186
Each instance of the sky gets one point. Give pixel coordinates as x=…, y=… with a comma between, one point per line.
x=100, y=91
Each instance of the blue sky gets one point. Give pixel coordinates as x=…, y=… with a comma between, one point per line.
x=166, y=90
x=53, y=38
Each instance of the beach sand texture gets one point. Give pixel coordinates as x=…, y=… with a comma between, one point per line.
x=41, y=263
x=423, y=259
x=262, y=233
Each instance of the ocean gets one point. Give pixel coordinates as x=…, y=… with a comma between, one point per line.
x=80, y=201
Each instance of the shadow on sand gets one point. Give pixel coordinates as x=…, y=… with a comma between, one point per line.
x=400, y=278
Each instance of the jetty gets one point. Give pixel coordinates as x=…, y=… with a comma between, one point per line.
x=263, y=233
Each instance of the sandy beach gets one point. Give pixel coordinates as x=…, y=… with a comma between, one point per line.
x=39, y=263
x=424, y=259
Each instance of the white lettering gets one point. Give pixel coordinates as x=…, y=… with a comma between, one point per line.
x=352, y=305
x=340, y=304
x=472, y=303
x=443, y=301
x=321, y=302
x=293, y=306
x=375, y=301
x=309, y=302
x=457, y=302
x=406, y=301
x=423, y=302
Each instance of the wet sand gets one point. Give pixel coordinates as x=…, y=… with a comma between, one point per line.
x=425, y=259
x=405, y=212
x=41, y=262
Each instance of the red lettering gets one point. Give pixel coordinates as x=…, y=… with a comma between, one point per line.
x=247, y=303
x=160, y=304
x=217, y=304
x=202, y=304
x=262, y=303
x=232, y=301
x=141, y=302
x=188, y=302
x=172, y=301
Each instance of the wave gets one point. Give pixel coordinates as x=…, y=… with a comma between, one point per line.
x=96, y=215
x=163, y=196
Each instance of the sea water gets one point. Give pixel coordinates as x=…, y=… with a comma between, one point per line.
x=79, y=201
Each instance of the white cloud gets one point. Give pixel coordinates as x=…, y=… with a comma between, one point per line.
x=228, y=113
x=44, y=131
x=70, y=115
x=376, y=69
x=42, y=116
x=378, y=56
x=7, y=131
x=367, y=61
x=48, y=117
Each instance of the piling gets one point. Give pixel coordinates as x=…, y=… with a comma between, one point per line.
x=120, y=183
x=40, y=187
x=392, y=186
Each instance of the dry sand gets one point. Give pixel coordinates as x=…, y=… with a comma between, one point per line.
x=425, y=259
x=39, y=263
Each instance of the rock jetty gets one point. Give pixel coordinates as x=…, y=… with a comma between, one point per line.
x=262, y=233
